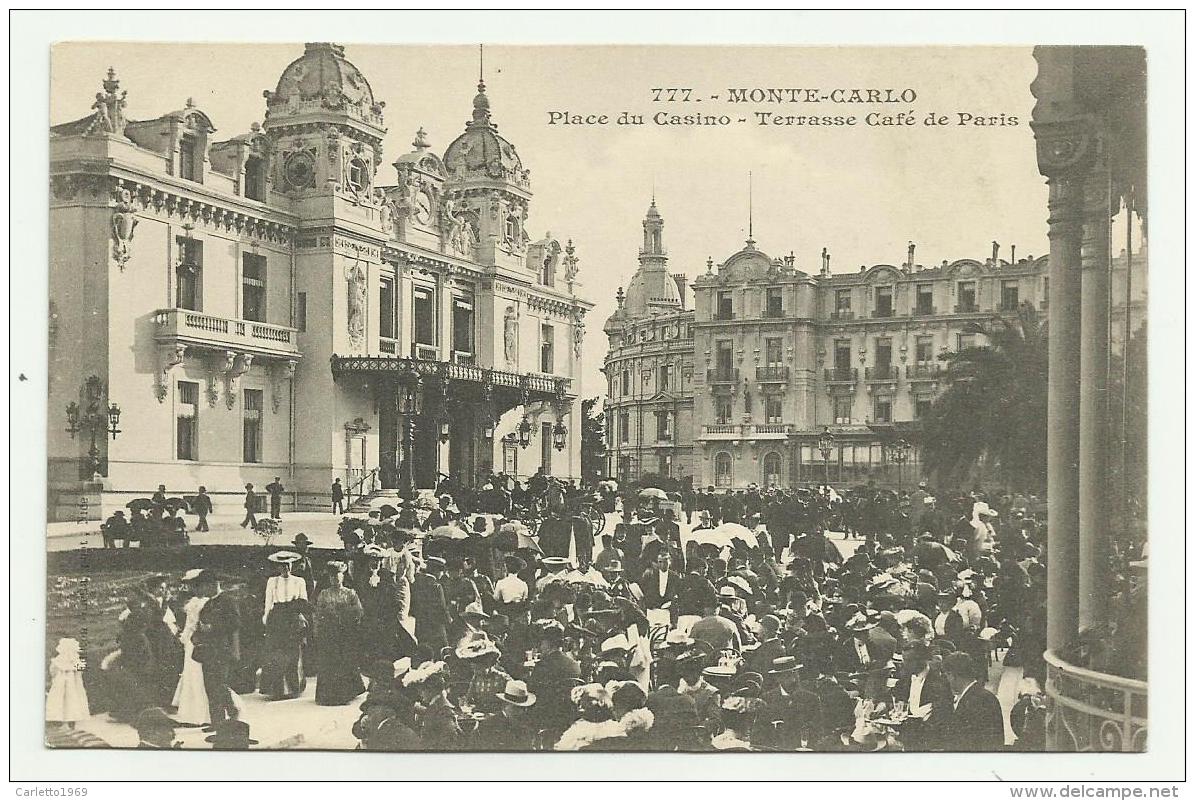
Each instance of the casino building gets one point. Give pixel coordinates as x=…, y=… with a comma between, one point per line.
x=278, y=303
x=741, y=383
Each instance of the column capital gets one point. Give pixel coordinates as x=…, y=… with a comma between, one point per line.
x=1065, y=148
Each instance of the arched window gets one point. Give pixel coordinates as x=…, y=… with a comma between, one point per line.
x=722, y=474
x=771, y=469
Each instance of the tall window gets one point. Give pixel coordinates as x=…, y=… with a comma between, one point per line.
x=771, y=469
x=253, y=287
x=966, y=341
x=925, y=298
x=665, y=464
x=724, y=358
x=545, y=447
x=883, y=357
x=775, y=307
x=725, y=309
x=774, y=408
x=921, y=406
x=386, y=308
x=626, y=382
x=722, y=470
x=774, y=351
x=462, y=325
x=966, y=296
x=1045, y=291
x=189, y=274
x=1009, y=295
x=722, y=410
x=925, y=350
x=842, y=354
x=547, y=276
x=883, y=411
x=883, y=301
x=255, y=178
x=547, y=348
x=423, y=308
x=251, y=431
x=187, y=422
x=842, y=409
x=665, y=377
x=190, y=160
x=624, y=427
x=663, y=426
x=747, y=403
x=842, y=302
x=301, y=311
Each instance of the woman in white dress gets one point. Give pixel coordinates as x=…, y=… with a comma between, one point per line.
x=190, y=698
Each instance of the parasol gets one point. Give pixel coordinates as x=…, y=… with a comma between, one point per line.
x=174, y=504
x=735, y=531
x=447, y=532
x=653, y=492
x=387, y=510
x=140, y=504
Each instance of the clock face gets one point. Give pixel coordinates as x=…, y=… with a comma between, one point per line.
x=423, y=207
x=300, y=170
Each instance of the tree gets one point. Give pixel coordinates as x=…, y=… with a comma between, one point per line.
x=593, y=439
x=992, y=415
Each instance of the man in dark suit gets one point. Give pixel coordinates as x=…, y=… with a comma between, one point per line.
x=218, y=644
x=930, y=700
x=859, y=653
x=660, y=584
x=430, y=609
x=696, y=595
x=978, y=722
x=791, y=715
x=552, y=678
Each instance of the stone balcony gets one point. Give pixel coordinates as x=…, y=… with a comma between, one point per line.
x=772, y=374
x=194, y=328
x=746, y=431
x=1093, y=711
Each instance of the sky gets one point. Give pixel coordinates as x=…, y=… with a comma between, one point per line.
x=862, y=192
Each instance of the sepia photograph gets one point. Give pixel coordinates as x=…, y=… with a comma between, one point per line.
x=527, y=398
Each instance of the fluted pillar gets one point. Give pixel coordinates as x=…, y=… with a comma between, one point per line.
x=1094, y=434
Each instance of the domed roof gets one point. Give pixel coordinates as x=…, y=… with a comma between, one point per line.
x=323, y=76
x=651, y=290
x=481, y=152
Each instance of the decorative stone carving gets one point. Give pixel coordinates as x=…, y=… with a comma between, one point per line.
x=236, y=370
x=171, y=358
x=109, y=108
x=510, y=333
x=124, y=222
x=578, y=333
x=456, y=228
x=355, y=276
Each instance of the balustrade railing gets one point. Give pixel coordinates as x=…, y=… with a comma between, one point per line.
x=187, y=324
x=1093, y=711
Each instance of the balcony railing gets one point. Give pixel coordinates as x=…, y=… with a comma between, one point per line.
x=966, y=308
x=387, y=345
x=772, y=373
x=748, y=429
x=883, y=312
x=1093, y=711
x=723, y=375
x=724, y=315
x=842, y=375
x=842, y=314
x=1009, y=307
x=197, y=328
x=882, y=372
x=924, y=311
x=923, y=371
x=464, y=357
x=773, y=313
x=426, y=352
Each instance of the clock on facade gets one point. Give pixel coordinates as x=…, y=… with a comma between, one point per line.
x=423, y=207
x=300, y=170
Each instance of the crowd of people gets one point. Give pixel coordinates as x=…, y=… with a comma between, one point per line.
x=713, y=621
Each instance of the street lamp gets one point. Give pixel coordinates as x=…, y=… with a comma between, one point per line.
x=97, y=418
x=559, y=435
x=899, y=451
x=409, y=407
x=825, y=444
x=524, y=432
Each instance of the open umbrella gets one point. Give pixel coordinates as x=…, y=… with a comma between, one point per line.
x=140, y=504
x=387, y=510
x=174, y=504
x=653, y=492
x=447, y=532
x=735, y=531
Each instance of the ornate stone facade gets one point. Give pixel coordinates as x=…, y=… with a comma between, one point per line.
x=280, y=262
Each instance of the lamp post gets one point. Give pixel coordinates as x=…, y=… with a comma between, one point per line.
x=559, y=435
x=524, y=431
x=96, y=417
x=409, y=403
x=899, y=452
x=825, y=444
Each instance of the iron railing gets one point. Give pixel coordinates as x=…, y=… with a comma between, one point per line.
x=1092, y=711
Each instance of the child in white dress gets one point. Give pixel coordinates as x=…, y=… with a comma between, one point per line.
x=67, y=700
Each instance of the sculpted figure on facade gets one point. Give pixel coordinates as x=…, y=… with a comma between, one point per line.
x=510, y=344
x=356, y=306
x=458, y=234
x=124, y=222
x=578, y=333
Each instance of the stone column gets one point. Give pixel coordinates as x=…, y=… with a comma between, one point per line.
x=1094, y=441
x=1062, y=152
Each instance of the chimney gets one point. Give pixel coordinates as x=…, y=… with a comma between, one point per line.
x=909, y=264
x=995, y=253
x=1012, y=256
x=825, y=262
x=682, y=284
